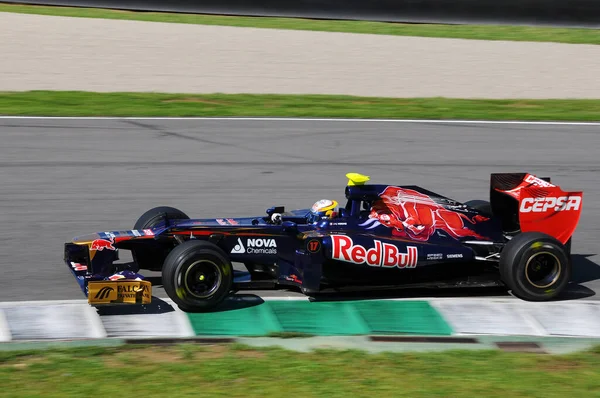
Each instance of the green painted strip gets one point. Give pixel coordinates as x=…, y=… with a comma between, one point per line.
x=252, y=321
x=320, y=318
x=404, y=317
x=324, y=319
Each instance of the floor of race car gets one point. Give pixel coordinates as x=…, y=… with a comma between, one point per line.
x=284, y=292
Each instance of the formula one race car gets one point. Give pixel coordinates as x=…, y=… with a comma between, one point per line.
x=386, y=236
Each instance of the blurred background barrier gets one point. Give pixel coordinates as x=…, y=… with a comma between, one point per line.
x=571, y=13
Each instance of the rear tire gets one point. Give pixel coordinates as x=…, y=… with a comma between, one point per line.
x=197, y=276
x=568, y=247
x=535, y=266
x=152, y=255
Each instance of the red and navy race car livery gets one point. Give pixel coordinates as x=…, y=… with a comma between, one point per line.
x=385, y=236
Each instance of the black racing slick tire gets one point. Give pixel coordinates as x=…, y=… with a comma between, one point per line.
x=154, y=216
x=535, y=266
x=197, y=276
x=483, y=206
x=152, y=255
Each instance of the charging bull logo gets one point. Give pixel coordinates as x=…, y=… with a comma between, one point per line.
x=416, y=216
x=101, y=244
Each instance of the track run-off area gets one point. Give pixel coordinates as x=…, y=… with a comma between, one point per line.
x=42, y=52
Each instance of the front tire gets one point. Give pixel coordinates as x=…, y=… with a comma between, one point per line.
x=197, y=276
x=535, y=266
x=151, y=256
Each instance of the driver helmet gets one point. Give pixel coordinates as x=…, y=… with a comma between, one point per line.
x=324, y=208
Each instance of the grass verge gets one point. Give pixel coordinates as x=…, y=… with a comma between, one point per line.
x=237, y=371
x=477, y=32
x=78, y=103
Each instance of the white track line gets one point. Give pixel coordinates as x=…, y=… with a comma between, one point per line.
x=500, y=300
x=283, y=119
x=532, y=322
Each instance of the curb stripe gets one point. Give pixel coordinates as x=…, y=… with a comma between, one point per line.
x=477, y=317
x=5, y=334
x=183, y=321
x=48, y=322
x=44, y=303
x=511, y=317
x=97, y=327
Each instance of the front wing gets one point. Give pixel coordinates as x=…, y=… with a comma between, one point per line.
x=123, y=287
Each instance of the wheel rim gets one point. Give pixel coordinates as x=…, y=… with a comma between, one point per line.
x=202, y=278
x=542, y=269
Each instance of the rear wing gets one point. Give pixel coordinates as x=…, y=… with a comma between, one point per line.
x=526, y=203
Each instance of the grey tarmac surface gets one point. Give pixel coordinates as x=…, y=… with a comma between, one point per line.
x=62, y=178
x=61, y=53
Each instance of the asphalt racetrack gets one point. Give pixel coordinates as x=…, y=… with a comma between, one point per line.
x=61, y=178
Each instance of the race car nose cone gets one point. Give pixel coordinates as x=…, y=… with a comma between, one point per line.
x=84, y=239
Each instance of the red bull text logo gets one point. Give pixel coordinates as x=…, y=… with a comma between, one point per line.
x=101, y=244
x=382, y=255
